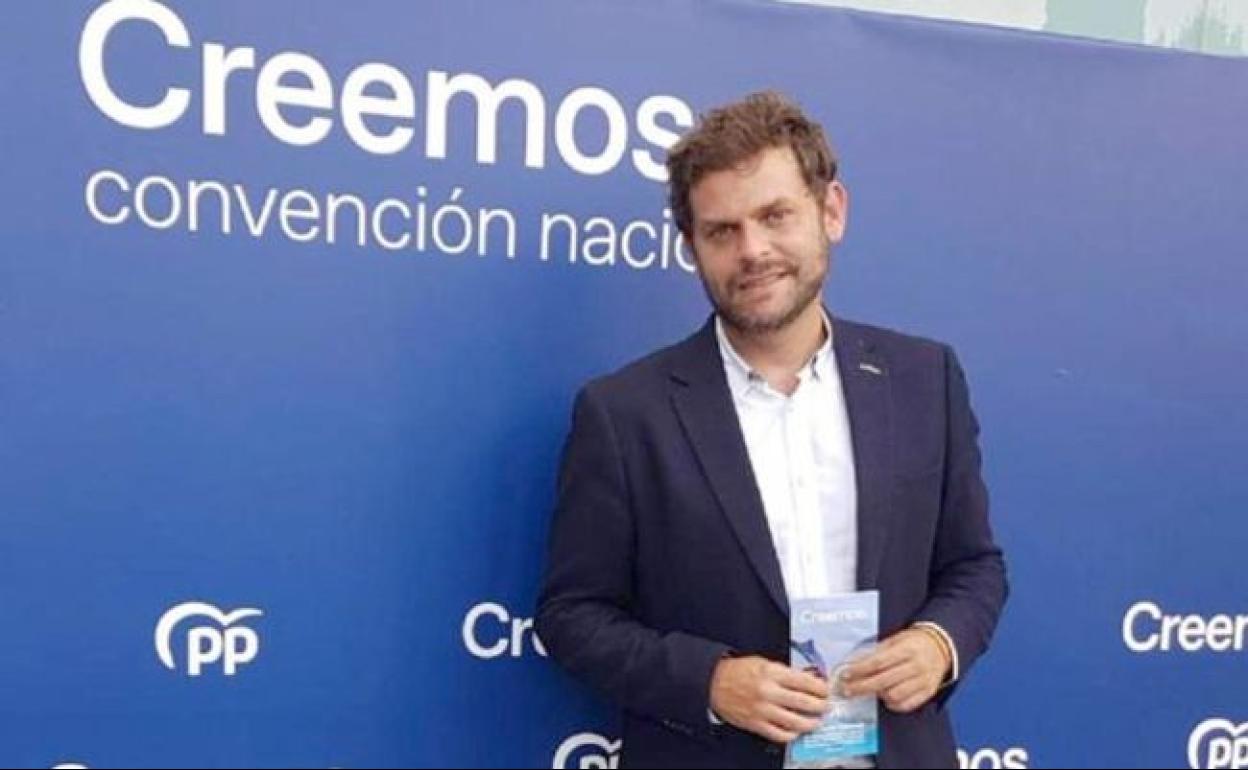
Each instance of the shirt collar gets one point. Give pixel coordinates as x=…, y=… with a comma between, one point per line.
x=743, y=380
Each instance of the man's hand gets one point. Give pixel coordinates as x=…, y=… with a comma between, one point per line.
x=905, y=671
x=768, y=699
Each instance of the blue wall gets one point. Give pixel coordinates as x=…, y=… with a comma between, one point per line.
x=360, y=442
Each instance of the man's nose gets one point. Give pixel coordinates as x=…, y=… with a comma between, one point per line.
x=754, y=243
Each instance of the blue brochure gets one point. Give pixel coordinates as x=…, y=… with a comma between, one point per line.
x=825, y=636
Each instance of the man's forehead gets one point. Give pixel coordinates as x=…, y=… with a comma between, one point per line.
x=770, y=161
x=735, y=192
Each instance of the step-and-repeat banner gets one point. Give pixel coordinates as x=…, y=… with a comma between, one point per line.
x=294, y=299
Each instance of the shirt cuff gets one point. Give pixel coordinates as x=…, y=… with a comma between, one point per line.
x=714, y=719
x=954, y=670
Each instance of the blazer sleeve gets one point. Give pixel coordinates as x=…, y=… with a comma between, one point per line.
x=968, y=584
x=585, y=615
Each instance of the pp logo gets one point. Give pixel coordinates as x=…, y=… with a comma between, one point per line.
x=208, y=644
x=587, y=751
x=1218, y=743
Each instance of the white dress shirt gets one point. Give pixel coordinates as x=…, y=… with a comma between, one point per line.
x=803, y=460
x=801, y=451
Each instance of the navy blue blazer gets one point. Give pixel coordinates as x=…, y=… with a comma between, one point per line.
x=661, y=562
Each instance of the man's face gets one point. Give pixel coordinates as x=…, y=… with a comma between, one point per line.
x=761, y=240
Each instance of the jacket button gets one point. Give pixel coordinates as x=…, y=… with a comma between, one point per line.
x=773, y=750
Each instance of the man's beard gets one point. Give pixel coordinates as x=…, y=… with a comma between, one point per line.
x=807, y=291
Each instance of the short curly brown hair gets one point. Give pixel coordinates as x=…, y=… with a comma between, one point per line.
x=732, y=134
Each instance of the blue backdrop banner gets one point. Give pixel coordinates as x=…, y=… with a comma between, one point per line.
x=295, y=297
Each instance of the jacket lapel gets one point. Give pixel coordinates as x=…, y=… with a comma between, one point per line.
x=865, y=378
x=704, y=406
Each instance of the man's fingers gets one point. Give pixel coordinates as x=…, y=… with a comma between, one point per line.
x=790, y=721
x=800, y=681
x=912, y=702
x=774, y=734
x=801, y=703
x=884, y=658
x=895, y=697
x=881, y=681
